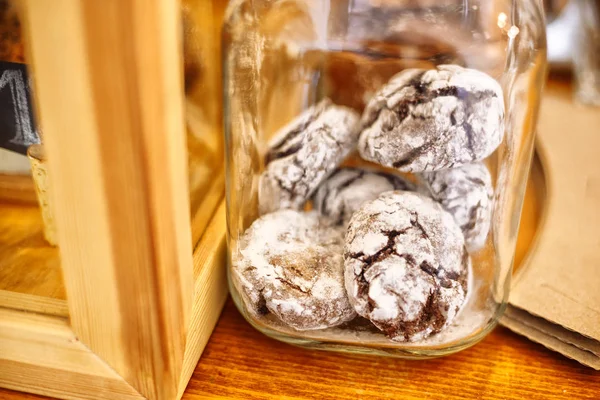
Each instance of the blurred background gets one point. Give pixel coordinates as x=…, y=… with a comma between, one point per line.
x=573, y=28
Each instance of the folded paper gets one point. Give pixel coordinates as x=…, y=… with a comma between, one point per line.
x=555, y=297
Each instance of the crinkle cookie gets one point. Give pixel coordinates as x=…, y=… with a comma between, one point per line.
x=348, y=188
x=290, y=263
x=466, y=193
x=427, y=120
x=303, y=153
x=406, y=265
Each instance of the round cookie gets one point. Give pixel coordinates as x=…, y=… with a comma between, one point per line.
x=290, y=263
x=427, y=120
x=348, y=188
x=406, y=266
x=303, y=153
x=466, y=193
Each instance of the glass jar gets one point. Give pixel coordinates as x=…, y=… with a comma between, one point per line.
x=377, y=153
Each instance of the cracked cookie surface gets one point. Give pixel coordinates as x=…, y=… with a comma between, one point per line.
x=427, y=120
x=466, y=193
x=346, y=189
x=406, y=266
x=290, y=263
x=303, y=153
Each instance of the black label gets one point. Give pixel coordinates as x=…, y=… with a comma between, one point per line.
x=17, y=124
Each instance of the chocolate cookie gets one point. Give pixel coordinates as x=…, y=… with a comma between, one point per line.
x=303, y=153
x=466, y=193
x=348, y=188
x=290, y=263
x=406, y=265
x=431, y=120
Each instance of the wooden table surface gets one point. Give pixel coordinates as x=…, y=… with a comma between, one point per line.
x=241, y=363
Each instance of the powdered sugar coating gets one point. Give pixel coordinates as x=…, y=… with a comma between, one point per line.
x=406, y=265
x=466, y=193
x=348, y=188
x=427, y=120
x=303, y=153
x=290, y=263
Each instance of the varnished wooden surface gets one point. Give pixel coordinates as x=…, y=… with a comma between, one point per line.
x=241, y=363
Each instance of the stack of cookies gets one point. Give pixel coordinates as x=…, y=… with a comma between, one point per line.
x=390, y=244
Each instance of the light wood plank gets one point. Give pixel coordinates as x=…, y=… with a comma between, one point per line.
x=210, y=292
x=113, y=123
x=207, y=207
x=41, y=354
x=32, y=303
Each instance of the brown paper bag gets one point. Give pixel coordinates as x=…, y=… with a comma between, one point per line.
x=555, y=297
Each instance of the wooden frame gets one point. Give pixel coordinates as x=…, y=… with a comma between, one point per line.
x=141, y=302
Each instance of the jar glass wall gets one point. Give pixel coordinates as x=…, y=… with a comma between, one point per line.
x=376, y=156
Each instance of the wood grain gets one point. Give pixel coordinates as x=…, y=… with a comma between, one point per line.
x=59, y=361
x=210, y=292
x=113, y=120
x=32, y=303
x=40, y=353
x=114, y=134
x=28, y=264
x=206, y=210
